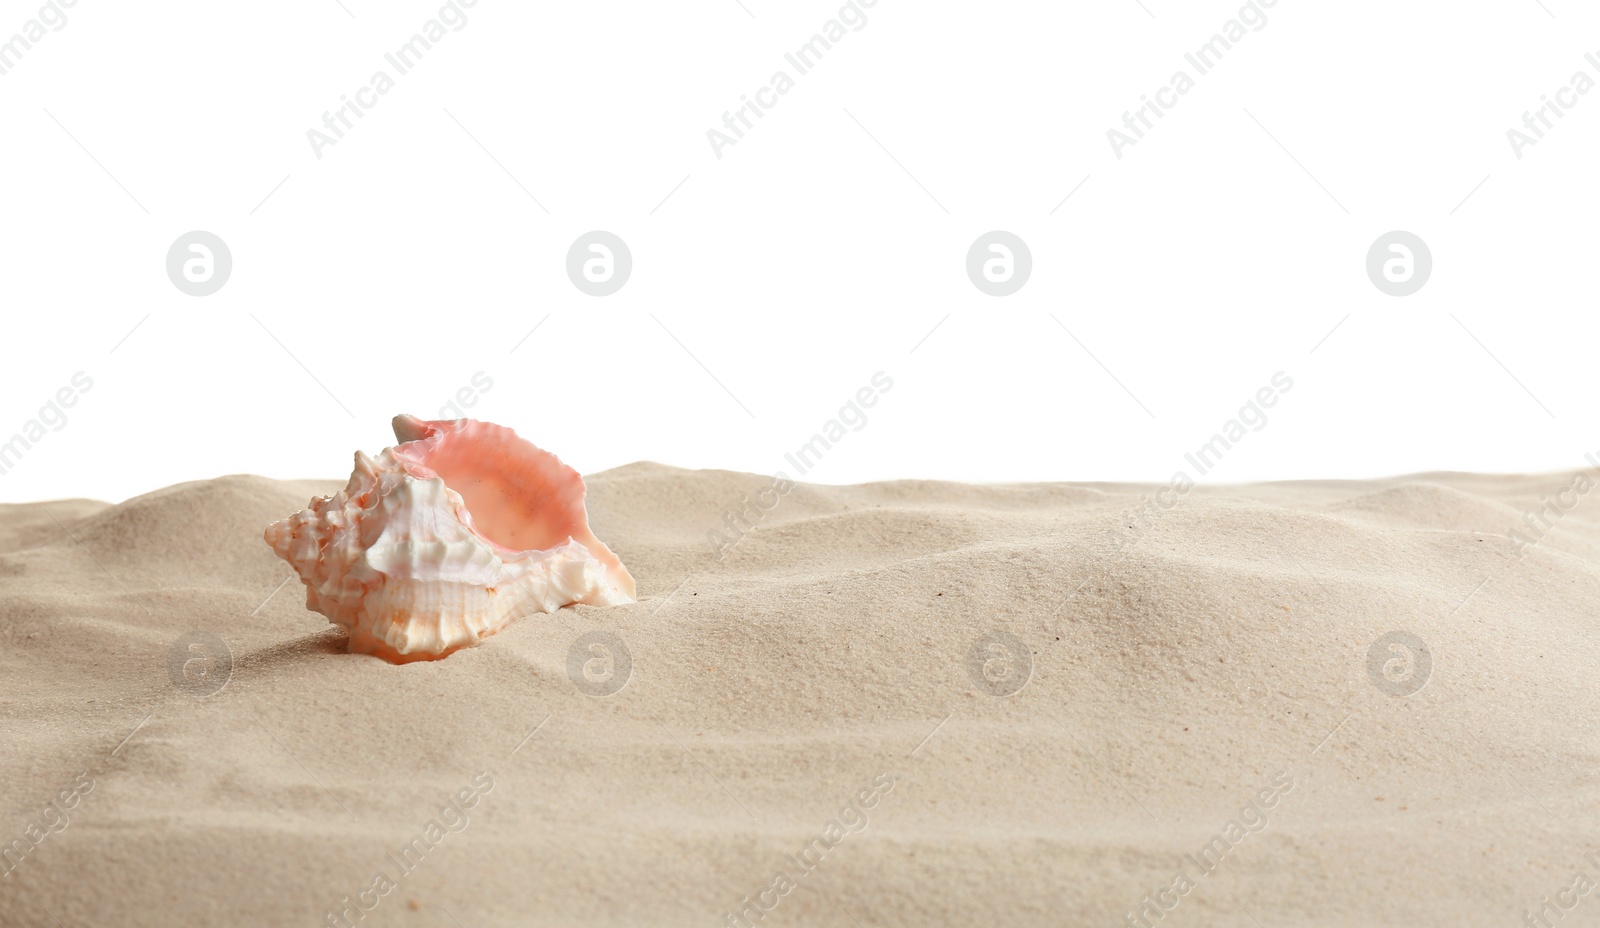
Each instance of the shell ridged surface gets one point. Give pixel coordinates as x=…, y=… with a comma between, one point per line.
x=413, y=569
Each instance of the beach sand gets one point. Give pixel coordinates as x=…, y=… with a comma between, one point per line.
x=1199, y=702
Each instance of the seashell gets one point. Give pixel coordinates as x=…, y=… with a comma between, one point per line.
x=447, y=538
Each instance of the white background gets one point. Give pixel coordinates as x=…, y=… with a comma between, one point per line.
x=414, y=254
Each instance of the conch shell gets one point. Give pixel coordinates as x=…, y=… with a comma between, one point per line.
x=447, y=538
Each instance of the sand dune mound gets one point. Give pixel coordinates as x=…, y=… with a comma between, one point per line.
x=1430, y=505
x=26, y=525
x=917, y=702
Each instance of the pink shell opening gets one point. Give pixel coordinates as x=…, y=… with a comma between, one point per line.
x=518, y=496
